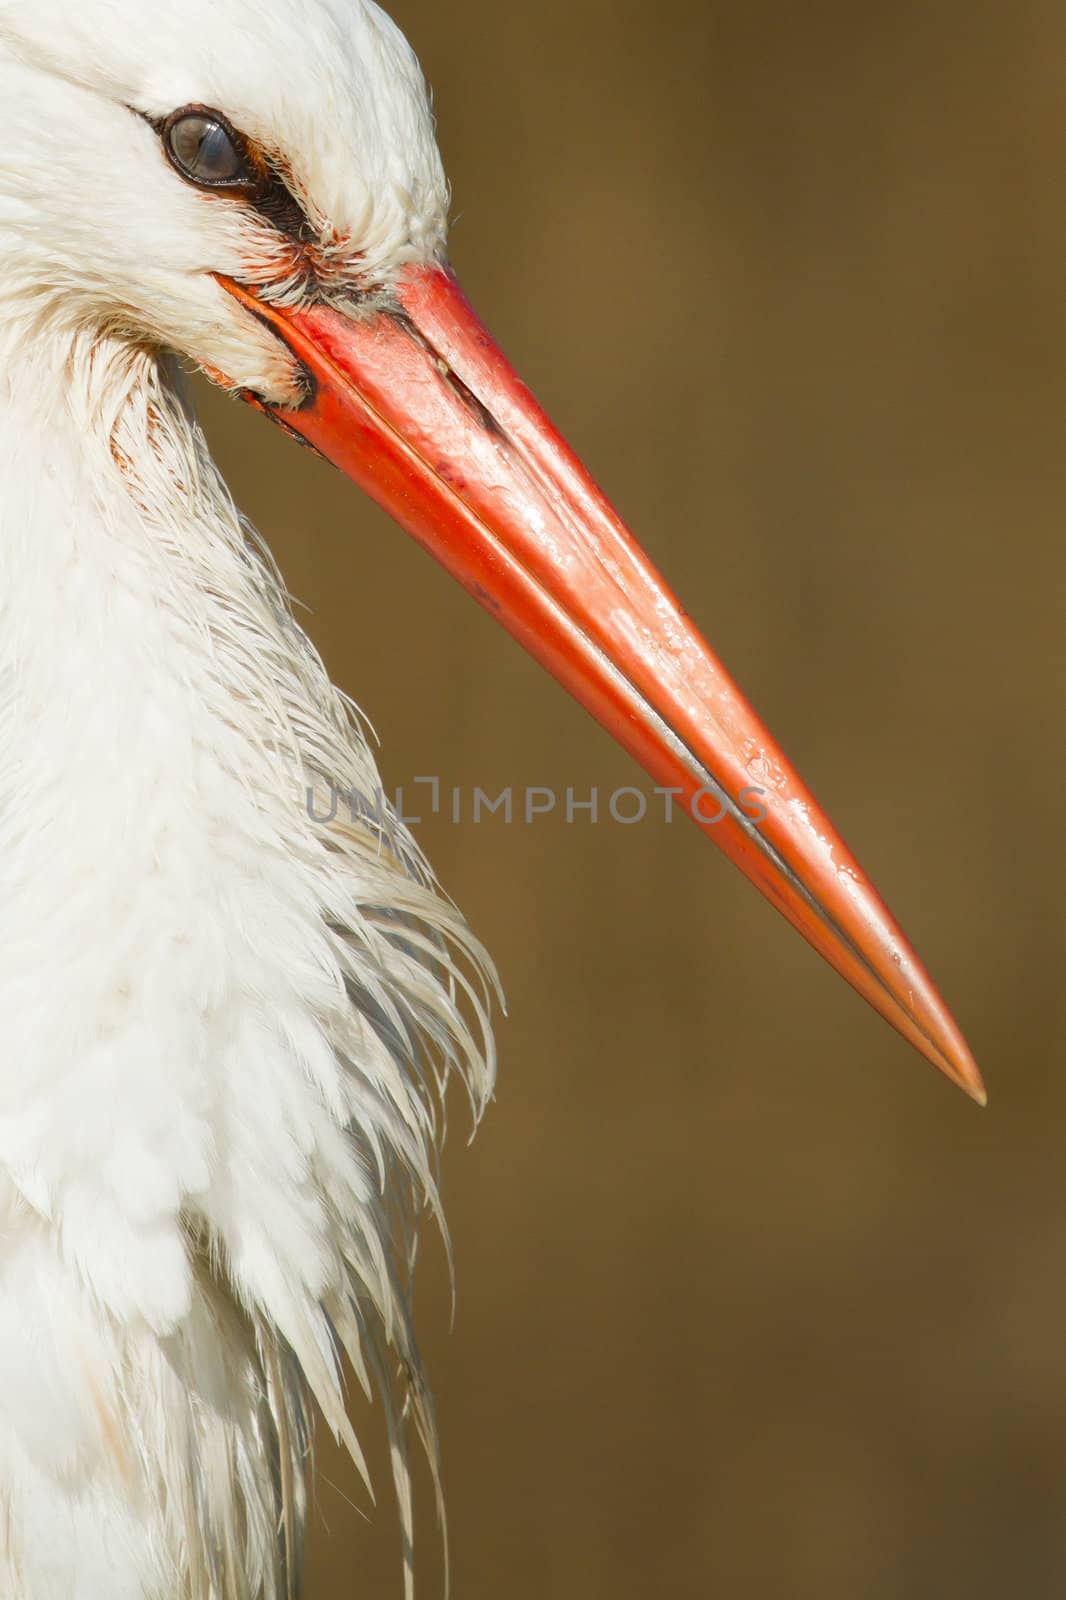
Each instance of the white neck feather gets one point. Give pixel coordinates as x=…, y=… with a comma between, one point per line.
x=215, y=1013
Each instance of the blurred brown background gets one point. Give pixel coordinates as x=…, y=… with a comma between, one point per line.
x=750, y=1301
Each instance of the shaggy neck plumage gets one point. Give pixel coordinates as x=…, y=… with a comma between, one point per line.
x=217, y=1017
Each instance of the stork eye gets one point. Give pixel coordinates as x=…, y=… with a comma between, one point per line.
x=206, y=150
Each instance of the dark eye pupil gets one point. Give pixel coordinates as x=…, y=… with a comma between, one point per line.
x=205, y=151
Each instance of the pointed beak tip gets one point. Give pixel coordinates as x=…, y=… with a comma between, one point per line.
x=977, y=1092
x=964, y=1071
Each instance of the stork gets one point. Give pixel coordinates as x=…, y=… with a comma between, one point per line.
x=224, y=1025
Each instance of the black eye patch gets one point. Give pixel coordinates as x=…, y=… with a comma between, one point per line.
x=208, y=151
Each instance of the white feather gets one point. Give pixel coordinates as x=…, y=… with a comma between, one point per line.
x=223, y=1025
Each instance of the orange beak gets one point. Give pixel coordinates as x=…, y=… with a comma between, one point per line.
x=419, y=407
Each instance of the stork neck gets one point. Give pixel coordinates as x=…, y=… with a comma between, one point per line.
x=151, y=650
x=159, y=872
x=92, y=428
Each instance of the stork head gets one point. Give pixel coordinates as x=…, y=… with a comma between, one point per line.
x=305, y=166
x=259, y=189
